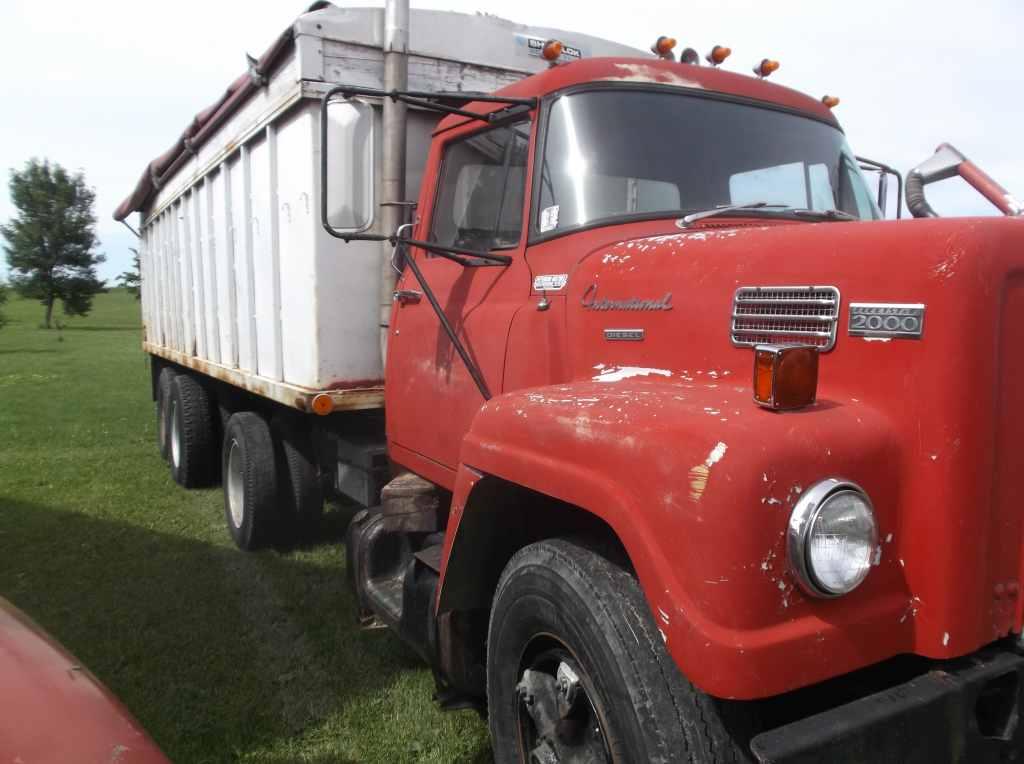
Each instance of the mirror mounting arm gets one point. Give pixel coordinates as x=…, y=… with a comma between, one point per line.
x=884, y=169
x=437, y=101
x=471, y=367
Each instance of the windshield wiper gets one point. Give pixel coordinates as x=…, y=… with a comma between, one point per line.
x=693, y=217
x=773, y=209
x=836, y=215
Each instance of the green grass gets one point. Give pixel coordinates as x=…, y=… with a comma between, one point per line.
x=223, y=656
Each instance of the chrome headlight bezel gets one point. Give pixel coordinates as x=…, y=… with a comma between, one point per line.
x=801, y=522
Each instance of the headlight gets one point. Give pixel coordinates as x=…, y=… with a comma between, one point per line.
x=832, y=538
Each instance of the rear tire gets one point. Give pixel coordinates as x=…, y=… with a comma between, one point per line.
x=163, y=399
x=193, y=434
x=302, y=500
x=563, y=612
x=250, y=481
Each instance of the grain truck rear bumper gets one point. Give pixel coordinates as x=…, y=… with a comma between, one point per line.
x=967, y=710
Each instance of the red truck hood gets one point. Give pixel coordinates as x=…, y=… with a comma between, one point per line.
x=55, y=710
x=951, y=402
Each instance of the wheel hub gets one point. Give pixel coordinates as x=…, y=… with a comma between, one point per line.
x=235, y=485
x=558, y=721
x=175, y=435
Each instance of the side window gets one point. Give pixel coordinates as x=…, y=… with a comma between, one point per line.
x=480, y=202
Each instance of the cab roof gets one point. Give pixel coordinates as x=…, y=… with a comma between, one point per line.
x=655, y=72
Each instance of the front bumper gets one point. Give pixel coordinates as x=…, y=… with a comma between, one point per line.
x=969, y=710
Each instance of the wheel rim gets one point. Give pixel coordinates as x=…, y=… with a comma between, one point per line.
x=161, y=422
x=175, y=435
x=235, y=485
x=556, y=715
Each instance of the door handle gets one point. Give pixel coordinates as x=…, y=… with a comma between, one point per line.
x=407, y=296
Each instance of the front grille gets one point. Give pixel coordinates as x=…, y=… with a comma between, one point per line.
x=785, y=315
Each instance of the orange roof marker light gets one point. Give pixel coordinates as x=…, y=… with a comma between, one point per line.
x=718, y=55
x=552, y=51
x=766, y=67
x=830, y=101
x=663, y=46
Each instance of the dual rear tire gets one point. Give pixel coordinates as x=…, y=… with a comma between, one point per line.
x=192, y=434
x=272, y=491
x=186, y=429
x=271, y=478
x=250, y=481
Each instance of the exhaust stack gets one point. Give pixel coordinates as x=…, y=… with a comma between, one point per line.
x=396, y=77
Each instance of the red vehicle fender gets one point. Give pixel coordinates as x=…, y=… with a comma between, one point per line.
x=698, y=484
x=54, y=709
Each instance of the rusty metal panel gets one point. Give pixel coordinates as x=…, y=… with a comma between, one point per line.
x=294, y=396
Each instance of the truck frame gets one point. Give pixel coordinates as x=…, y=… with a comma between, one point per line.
x=688, y=455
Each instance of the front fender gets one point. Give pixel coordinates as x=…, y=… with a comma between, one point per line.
x=698, y=483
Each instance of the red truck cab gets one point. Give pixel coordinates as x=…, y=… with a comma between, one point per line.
x=615, y=345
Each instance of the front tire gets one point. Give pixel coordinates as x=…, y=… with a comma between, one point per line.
x=577, y=671
x=250, y=481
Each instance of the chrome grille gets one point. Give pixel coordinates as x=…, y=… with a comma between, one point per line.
x=785, y=315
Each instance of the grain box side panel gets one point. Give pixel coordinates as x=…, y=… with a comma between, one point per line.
x=298, y=221
x=241, y=232
x=145, y=286
x=223, y=246
x=156, y=274
x=267, y=318
x=170, y=278
x=197, y=270
x=151, y=286
x=183, y=277
x=211, y=254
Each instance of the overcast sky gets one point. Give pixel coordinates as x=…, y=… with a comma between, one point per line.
x=105, y=86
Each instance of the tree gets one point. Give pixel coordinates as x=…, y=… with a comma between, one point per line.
x=50, y=242
x=3, y=299
x=130, y=279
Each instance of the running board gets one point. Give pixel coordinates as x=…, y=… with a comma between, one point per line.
x=393, y=562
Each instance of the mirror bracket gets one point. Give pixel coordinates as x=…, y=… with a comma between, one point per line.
x=884, y=170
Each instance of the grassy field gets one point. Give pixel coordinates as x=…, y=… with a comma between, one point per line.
x=223, y=656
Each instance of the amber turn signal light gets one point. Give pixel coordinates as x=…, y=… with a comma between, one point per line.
x=718, y=54
x=552, y=50
x=663, y=46
x=785, y=376
x=766, y=67
x=323, y=404
x=830, y=101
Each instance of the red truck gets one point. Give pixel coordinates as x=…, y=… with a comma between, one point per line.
x=688, y=454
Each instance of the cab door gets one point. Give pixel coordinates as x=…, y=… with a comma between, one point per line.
x=477, y=201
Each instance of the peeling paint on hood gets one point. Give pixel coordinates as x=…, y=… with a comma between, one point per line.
x=617, y=373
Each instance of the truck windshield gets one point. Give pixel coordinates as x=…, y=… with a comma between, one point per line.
x=611, y=154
